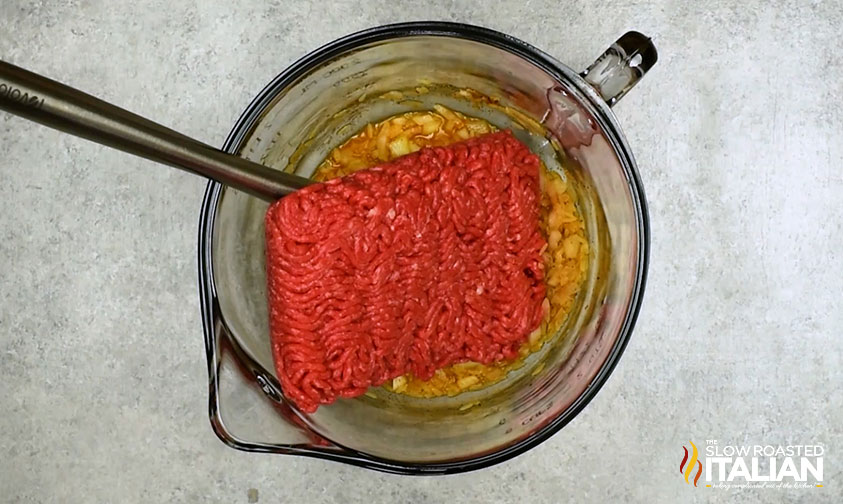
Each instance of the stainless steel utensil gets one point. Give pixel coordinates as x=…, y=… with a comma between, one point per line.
x=58, y=106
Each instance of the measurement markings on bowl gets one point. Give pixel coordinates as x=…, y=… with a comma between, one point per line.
x=349, y=78
x=538, y=414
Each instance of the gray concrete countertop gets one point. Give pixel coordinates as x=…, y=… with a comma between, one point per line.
x=739, y=135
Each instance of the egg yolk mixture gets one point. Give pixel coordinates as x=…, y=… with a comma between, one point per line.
x=565, y=258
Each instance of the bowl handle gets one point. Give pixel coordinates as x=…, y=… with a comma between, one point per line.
x=621, y=66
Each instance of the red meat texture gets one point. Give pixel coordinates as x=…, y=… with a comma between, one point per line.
x=407, y=267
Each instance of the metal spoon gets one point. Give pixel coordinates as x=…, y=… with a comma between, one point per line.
x=53, y=104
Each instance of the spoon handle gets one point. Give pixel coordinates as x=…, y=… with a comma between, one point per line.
x=53, y=104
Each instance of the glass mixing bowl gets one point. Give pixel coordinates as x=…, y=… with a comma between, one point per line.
x=322, y=100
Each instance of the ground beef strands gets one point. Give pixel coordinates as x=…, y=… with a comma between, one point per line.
x=408, y=267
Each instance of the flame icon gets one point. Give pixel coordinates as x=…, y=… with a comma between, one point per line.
x=686, y=470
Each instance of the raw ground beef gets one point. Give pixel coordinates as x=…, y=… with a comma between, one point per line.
x=407, y=267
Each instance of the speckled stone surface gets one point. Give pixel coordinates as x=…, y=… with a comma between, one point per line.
x=739, y=135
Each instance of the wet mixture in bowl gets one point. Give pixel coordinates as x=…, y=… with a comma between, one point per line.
x=436, y=272
x=565, y=258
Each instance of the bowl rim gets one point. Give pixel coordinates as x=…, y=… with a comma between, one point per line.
x=211, y=316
